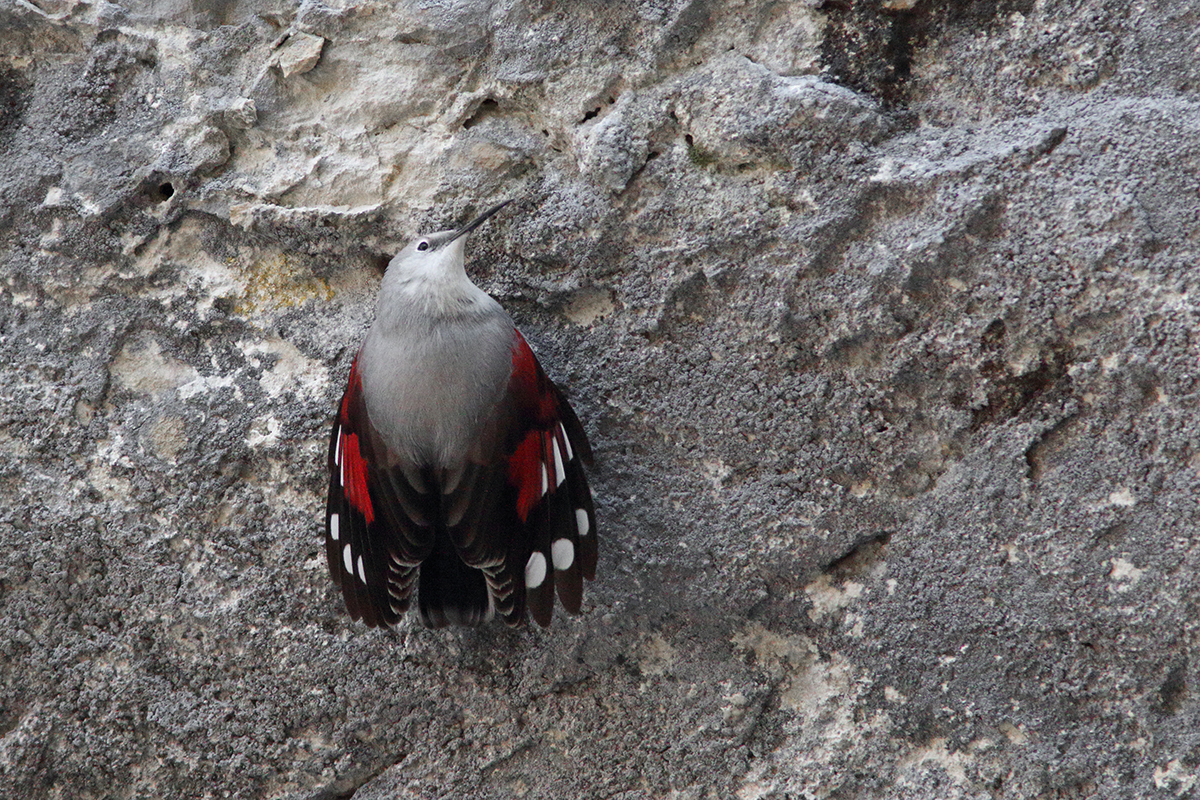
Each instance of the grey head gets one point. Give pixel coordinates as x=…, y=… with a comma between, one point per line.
x=437, y=257
x=428, y=278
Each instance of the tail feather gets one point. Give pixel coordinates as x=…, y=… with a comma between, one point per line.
x=450, y=592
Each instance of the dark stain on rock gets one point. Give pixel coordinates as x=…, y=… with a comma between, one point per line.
x=1173, y=691
x=871, y=48
x=1008, y=394
x=14, y=100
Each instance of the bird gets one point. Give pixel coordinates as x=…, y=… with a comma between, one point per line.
x=456, y=466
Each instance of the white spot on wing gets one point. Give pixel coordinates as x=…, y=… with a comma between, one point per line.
x=545, y=479
x=337, y=456
x=535, y=570
x=566, y=441
x=562, y=553
x=362, y=573
x=347, y=559
x=559, y=473
x=334, y=532
x=581, y=522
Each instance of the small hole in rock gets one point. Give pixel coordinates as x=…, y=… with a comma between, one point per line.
x=165, y=191
x=488, y=106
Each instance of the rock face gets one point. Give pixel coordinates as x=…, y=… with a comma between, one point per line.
x=880, y=317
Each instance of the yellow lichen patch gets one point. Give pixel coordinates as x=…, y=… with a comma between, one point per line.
x=273, y=282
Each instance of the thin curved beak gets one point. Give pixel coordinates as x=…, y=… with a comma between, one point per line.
x=470, y=226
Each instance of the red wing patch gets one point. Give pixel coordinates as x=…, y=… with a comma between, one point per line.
x=524, y=467
x=348, y=458
x=354, y=474
x=535, y=393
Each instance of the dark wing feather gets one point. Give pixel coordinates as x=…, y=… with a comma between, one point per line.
x=379, y=526
x=543, y=449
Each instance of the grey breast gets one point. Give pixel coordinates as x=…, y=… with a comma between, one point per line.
x=431, y=389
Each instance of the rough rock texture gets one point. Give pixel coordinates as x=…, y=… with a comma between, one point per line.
x=880, y=316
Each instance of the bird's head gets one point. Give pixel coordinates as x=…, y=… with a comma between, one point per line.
x=436, y=256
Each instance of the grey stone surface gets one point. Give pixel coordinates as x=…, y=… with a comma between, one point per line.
x=880, y=317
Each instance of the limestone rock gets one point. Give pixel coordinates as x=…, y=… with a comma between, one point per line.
x=880, y=316
x=299, y=54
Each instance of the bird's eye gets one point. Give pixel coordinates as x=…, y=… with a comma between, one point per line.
x=423, y=246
